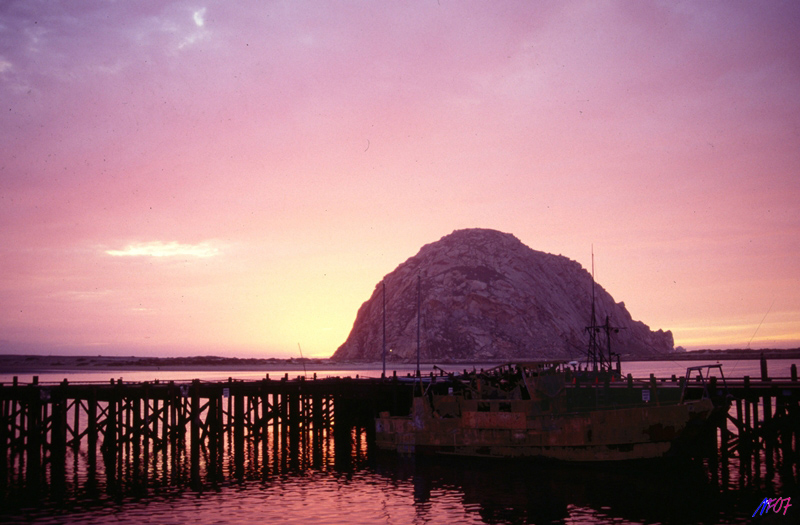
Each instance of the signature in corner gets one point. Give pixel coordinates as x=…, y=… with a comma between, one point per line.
x=775, y=504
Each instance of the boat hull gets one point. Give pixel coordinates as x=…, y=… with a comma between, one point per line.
x=455, y=426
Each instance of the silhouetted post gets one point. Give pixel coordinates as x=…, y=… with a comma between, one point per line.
x=172, y=430
x=194, y=422
x=154, y=430
x=284, y=410
x=747, y=423
x=58, y=439
x=34, y=434
x=757, y=452
x=768, y=440
x=125, y=437
x=238, y=431
x=136, y=429
x=91, y=429
x=275, y=424
x=794, y=373
x=764, y=373
x=58, y=431
x=76, y=424
x=110, y=439
x=166, y=407
x=214, y=434
x=264, y=428
x=724, y=438
x=145, y=429
x=230, y=407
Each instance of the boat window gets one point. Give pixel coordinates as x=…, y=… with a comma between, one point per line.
x=484, y=406
x=505, y=407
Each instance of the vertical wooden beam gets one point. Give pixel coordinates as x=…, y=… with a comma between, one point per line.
x=768, y=432
x=58, y=437
x=91, y=429
x=238, y=430
x=276, y=402
x=265, y=414
x=135, y=429
x=76, y=424
x=157, y=424
x=110, y=440
x=34, y=434
x=166, y=409
x=755, y=442
x=746, y=439
x=146, y=428
x=125, y=435
x=214, y=434
x=172, y=425
x=230, y=408
x=58, y=433
x=194, y=419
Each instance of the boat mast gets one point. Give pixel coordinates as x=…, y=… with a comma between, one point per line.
x=419, y=315
x=383, y=374
x=595, y=353
x=592, y=328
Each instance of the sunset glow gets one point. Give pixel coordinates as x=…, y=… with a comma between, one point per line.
x=235, y=178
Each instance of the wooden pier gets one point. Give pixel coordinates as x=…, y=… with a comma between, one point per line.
x=206, y=431
x=202, y=432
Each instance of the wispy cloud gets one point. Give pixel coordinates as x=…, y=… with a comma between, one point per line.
x=199, y=17
x=166, y=249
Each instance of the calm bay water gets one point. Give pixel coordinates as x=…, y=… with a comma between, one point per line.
x=358, y=485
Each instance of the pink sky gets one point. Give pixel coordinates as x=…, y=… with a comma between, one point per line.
x=234, y=178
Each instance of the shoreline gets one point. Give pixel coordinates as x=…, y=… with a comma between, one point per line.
x=13, y=363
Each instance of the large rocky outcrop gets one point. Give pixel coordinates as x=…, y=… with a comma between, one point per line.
x=486, y=296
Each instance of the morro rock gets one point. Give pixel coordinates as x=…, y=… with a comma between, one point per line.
x=483, y=295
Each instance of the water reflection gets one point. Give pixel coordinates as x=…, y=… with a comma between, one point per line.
x=520, y=492
x=320, y=479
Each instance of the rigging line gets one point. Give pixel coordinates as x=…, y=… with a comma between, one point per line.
x=754, y=333
x=762, y=322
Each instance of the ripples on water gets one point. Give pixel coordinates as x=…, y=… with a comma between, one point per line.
x=385, y=489
x=319, y=481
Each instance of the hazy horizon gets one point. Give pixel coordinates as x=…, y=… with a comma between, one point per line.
x=187, y=178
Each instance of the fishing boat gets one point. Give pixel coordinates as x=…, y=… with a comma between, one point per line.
x=544, y=409
x=553, y=409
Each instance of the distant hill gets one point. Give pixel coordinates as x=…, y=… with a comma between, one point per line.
x=487, y=296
